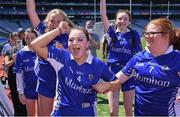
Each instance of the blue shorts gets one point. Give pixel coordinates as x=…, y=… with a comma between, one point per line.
x=129, y=84
x=31, y=95
x=73, y=111
x=46, y=85
x=30, y=84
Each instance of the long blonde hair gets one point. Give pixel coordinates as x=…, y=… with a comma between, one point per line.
x=55, y=11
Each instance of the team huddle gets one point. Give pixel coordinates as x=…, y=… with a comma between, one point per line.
x=58, y=65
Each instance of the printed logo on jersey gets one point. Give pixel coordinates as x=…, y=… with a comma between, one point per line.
x=91, y=77
x=26, y=60
x=79, y=78
x=123, y=41
x=165, y=68
x=152, y=64
x=27, y=69
x=121, y=50
x=151, y=80
x=77, y=87
x=140, y=64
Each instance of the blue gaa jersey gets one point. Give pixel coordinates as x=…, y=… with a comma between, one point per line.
x=75, y=81
x=157, y=81
x=25, y=61
x=120, y=49
x=45, y=72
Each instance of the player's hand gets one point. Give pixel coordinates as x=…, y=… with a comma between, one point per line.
x=58, y=45
x=22, y=98
x=64, y=27
x=102, y=87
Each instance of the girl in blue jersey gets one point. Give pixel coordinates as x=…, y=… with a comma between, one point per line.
x=45, y=72
x=25, y=75
x=157, y=72
x=122, y=45
x=77, y=71
x=177, y=47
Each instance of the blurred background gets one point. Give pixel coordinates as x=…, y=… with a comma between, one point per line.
x=13, y=18
x=13, y=14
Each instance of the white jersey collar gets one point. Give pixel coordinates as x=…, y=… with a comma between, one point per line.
x=169, y=50
x=89, y=58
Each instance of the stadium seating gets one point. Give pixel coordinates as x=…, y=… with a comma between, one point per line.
x=81, y=10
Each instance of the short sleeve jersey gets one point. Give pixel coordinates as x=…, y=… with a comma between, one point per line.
x=75, y=81
x=157, y=81
x=120, y=48
x=25, y=61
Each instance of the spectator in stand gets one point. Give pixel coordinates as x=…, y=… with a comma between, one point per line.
x=156, y=69
x=10, y=57
x=45, y=72
x=25, y=74
x=78, y=70
x=123, y=44
x=94, y=38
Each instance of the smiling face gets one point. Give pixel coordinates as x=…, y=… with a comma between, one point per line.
x=122, y=20
x=78, y=44
x=29, y=37
x=54, y=21
x=156, y=38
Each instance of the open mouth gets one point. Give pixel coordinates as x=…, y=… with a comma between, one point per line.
x=75, y=50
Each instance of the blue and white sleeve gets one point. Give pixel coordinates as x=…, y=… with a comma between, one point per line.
x=41, y=27
x=19, y=82
x=17, y=68
x=55, y=57
x=107, y=75
x=128, y=69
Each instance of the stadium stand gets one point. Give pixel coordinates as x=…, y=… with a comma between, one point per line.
x=13, y=12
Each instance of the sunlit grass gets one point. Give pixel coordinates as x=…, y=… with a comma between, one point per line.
x=102, y=105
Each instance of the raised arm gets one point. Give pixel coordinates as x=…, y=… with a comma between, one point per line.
x=103, y=14
x=40, y=44
x=31, y=10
